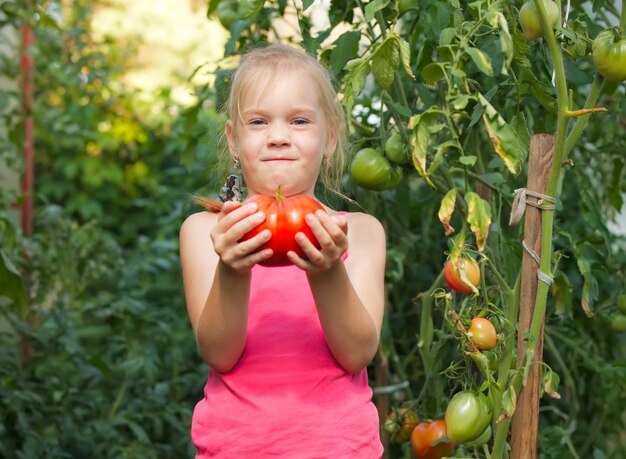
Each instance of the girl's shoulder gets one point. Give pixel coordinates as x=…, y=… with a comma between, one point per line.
x=199, y=223
x=364, y=227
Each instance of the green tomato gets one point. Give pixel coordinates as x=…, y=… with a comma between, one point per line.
x=371, y=170
x=467, y=417
x=530, y=21
x=394, y=149
x=618, y=323
x=229, y=11
x=609, y=55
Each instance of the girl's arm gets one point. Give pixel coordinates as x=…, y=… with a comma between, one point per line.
x=350, y=296
x=216, y=278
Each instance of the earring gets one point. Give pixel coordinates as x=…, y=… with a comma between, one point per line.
x=234, y=187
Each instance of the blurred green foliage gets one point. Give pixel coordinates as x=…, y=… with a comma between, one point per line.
x=97, y=356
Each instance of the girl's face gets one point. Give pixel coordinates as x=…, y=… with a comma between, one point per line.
x=281, y=136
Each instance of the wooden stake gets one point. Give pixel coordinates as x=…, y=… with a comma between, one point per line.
x=525, y=423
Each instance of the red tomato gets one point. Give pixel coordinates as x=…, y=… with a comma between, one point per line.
x=284, y=217
x=453, y=277
x=482, y=333
x=425, y=434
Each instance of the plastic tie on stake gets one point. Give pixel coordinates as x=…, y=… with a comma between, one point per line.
x=521, y=199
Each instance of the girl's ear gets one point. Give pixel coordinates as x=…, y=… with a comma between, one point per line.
x=231, y=138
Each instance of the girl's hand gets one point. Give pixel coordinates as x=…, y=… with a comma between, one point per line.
x=332, y=234
x=233, y=222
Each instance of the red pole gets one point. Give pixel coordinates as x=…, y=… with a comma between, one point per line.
x=28, y=73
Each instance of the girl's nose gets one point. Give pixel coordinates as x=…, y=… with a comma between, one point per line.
x=279, y=135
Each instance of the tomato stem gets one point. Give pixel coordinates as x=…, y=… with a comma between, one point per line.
x=279, y=197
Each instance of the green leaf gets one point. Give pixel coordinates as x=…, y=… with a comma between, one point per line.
x=306, y=4
x=506, y=41
x=433, y=72
x=385, y=61
x=420, y=140
x=447, y=35
x=446, y=209
x=405, y=57
x=354, y=81
x=504, y=139
x=373, y=7
x=590, y=284
x=481, y=60
x=562, y=293
x=479, y=218
x=468, y=160
x=12, y=284
x=346, y=48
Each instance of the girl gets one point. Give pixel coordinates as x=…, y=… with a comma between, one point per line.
x=288, y=347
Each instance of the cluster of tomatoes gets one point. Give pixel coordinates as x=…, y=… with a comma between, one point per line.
x=608, y=49
x=467, y=419
x=372, y=170
x=467, y=422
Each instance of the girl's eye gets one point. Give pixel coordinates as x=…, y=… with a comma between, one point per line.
x=256, y=122
x=300, y=121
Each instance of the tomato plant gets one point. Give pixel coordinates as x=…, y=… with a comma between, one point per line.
x=464, y=267
x=373, y=171
x=482, y=333
x=400, y=424
x=467, y=416
x=609, y=55
x=530, y=21
x=284, y=217
x=429, y=440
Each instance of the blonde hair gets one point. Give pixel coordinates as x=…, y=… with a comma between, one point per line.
x=271, y=61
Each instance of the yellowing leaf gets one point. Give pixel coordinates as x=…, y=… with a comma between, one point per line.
x=506, y=143
x=405, y=57
x=385, y=61
x=419, y=126
x=357, y=71
x=481, y=60
x=446, y=209
x=479, y=218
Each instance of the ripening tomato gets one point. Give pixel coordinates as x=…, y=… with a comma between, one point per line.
x=400, y=424
x=482, y=333
x=530, y=21
x=452, y=274
x=467, y=416
x=609, y=55
x=284, y=217
x=425, y=434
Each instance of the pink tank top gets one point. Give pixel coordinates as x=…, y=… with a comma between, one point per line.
x=287, y=397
